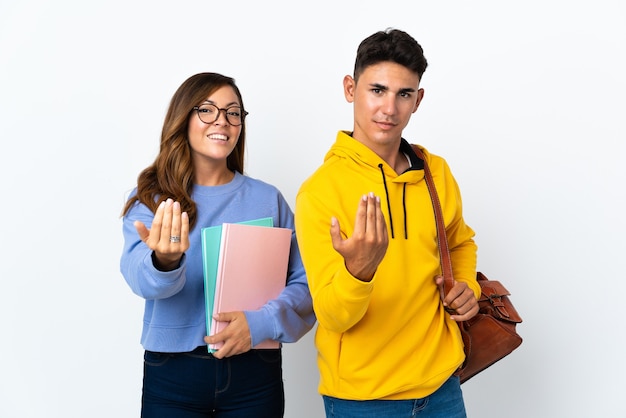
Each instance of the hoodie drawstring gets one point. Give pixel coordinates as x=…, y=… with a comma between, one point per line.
x=406, y=233
x=387, y=195
x=389, y=204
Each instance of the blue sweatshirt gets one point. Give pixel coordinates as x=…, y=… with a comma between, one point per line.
x=174, y=317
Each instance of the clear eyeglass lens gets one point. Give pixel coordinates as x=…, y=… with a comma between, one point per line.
x=210, y=113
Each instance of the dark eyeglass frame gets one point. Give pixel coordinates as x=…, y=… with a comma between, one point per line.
x=244, y=113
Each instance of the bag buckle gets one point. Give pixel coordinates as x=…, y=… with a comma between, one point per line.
x=495, y=300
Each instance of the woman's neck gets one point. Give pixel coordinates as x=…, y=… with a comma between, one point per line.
x=214, y=177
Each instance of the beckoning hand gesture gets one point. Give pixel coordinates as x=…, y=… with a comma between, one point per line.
x=169, y=235
x=365, y=249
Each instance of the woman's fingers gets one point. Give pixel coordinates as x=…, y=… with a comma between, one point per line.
x=144, y=233
x=184, y=230
x=155, y=230
x=169, y=232
x=174, y=233
x=166, y=224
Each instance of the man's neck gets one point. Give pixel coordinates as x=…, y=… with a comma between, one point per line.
x=389, y=152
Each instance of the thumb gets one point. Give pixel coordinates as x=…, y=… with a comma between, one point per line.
x=335, y=233
x=439, y=283
x=223, y=316
x=444, y=285
x=143, y=232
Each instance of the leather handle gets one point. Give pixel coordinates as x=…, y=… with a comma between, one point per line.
x=442, y=239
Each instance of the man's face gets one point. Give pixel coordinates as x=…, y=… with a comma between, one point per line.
x=385, y=97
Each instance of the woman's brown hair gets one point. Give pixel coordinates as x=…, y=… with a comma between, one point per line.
x=172, y=173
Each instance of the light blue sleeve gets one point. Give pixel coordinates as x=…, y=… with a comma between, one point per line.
x=136, y=261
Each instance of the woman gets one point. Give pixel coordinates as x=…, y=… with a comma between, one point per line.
x=197, y=180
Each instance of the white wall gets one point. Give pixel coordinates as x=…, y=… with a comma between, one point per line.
x=524, y=99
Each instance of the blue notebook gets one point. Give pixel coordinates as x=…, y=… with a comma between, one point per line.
x=211, y=239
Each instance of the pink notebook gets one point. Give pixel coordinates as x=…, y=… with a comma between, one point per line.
x=252, y=270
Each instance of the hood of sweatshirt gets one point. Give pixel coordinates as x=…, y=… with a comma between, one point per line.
x=375, y=169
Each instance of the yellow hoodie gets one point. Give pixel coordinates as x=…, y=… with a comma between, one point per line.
x=389, y=338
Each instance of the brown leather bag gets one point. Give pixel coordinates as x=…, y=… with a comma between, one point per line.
x=490, y=335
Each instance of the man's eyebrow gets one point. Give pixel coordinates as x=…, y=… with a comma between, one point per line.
x=378, y=86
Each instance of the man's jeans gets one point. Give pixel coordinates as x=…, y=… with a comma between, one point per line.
x=446, y=402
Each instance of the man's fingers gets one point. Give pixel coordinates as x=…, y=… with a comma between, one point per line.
x=381, y=225
x=461, y=302
x=360, y=222
x=372, y=204
x=467, y=315
x=370, y=221
x=335, y=234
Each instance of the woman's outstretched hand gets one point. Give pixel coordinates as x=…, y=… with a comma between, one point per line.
x=168, y=237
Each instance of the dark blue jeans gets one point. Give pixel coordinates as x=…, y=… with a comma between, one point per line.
x=446, y=402
x=197, y=385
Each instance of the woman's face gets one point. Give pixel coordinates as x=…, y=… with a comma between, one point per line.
x=211, y=143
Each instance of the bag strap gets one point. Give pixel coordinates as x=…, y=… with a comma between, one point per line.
x=442, y=239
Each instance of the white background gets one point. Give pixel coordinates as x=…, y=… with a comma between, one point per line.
x=524, y=99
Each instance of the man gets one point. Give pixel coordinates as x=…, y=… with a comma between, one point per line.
x=386, y=344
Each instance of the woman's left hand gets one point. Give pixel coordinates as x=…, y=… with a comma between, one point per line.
x=236, y=336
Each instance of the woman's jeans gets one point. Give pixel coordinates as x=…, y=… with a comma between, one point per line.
x=446, y=402
x=196, y=384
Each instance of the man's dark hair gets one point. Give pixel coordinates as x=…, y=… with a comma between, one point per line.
x=390, y=45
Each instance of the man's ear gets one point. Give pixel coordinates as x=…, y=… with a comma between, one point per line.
x=420, y=96
x=349, y=85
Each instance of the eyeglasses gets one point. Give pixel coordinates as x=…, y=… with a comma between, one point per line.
x=209, y=113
